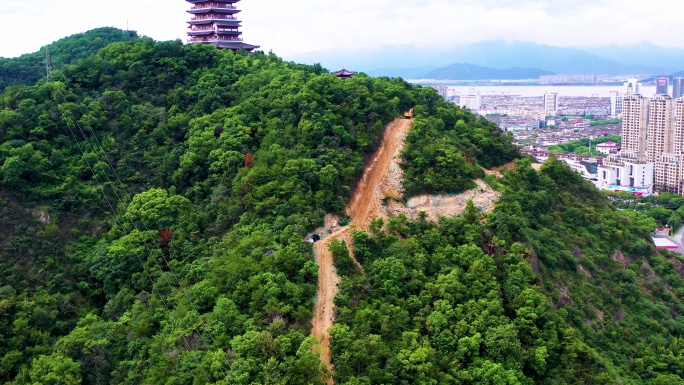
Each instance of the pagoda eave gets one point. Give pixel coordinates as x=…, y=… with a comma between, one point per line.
x=228, y=23
x=224, y=23
x=231, y=24
x=213, y=1
x=223, y=11
x=344, y=74
x=201, y=33
x=235, y=45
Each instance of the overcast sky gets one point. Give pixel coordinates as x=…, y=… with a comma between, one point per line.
x=296, y=26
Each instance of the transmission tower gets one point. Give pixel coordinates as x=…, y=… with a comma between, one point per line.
x=48, y=64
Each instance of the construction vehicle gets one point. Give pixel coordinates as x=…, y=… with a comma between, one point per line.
x=409, y=114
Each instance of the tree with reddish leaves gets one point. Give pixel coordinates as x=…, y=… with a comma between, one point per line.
x=249, y=159
x=165, y=236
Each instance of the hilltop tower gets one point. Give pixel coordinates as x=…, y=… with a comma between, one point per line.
x=215, y=22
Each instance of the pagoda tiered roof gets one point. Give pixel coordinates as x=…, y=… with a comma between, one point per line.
x=344, y=73
x=214, y=22
x=215, y=8
x=219, y=22
x=236, y=45
x=222, y=11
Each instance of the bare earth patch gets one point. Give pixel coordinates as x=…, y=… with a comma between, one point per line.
x=436, y=206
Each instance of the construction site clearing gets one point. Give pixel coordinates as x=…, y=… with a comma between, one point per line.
x=436, y=206
x=382, y=178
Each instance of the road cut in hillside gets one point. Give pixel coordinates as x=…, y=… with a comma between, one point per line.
x=364, y=206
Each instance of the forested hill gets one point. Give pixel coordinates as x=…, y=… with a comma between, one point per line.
x=221, y=165
x=28, y=69
x=155, y=201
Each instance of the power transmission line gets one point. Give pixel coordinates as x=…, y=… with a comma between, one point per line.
x=120, y=201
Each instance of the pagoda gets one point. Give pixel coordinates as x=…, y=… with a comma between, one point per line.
x=214, y=22
x=344, y=74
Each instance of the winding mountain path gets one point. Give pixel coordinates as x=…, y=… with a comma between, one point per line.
x=362, y=209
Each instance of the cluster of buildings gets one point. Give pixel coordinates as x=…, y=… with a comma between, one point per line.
x=652, y=155
x=539, y=140
x=515, y=112
x=569, y=79
x=633, y=87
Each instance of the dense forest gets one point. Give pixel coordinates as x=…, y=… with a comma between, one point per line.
x=447, y=148
x=155, y=200
x=553, y=287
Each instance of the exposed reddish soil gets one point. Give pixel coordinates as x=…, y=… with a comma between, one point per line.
x=367, y=200
x=324, y=312
x=363, y=208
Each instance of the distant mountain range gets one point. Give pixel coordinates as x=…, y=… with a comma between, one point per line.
x=644, y=53
x=467, y=71
x=411, y=62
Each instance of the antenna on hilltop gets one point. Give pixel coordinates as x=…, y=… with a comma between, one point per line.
x=48, y=64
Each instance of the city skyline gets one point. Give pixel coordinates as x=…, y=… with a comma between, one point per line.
x=325, y=25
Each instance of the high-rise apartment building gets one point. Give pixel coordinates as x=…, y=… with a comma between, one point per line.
x=660, y=127
x=471, y=100
x=662, y=85
x=678, y=137
x=616, y=103
x=665, y=144
x=443, y=91
x=677, y=88
x=669, y=167
x=668, y=173
x=634, y=125
x=551, y=104
x=632, y=87
x=652, y=156
x=629, y=170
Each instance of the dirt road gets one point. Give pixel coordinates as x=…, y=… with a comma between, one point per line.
x=363, y=208
x=367, y=200
x=324, y=312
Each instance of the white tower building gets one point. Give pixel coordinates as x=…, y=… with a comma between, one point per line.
x=551, y=103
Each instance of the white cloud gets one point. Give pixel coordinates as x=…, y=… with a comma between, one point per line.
x=26, y=27
x=297, y=26
x=443, y=24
